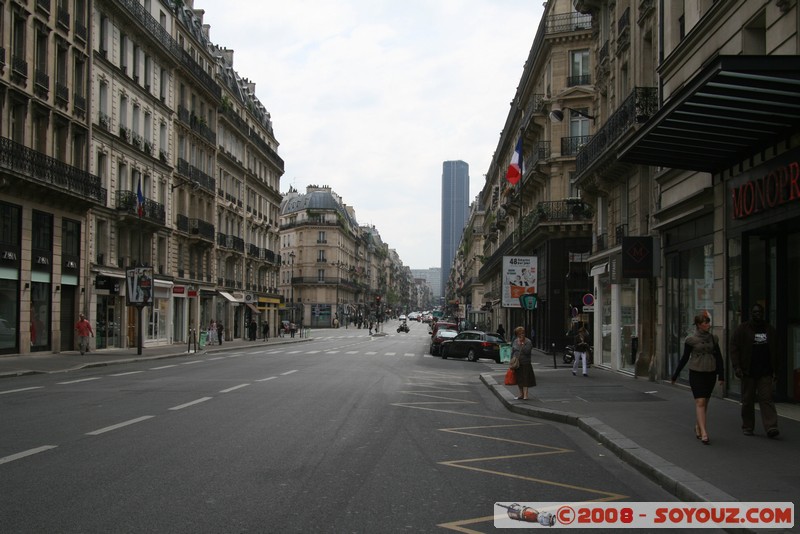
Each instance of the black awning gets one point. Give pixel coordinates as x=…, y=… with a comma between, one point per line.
x=735, y=107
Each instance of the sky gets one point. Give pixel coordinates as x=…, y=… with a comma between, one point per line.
x=370, y=97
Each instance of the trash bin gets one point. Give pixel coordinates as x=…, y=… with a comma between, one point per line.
x=203, y=338
x=505, y=352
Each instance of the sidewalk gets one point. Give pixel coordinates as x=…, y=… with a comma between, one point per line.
x=650, y=425
x=15, y=365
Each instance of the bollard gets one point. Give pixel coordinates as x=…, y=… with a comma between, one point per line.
x=553, y=350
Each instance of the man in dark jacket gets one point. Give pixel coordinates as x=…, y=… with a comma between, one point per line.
x=754, y=355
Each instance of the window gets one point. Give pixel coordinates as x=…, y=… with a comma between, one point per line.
x=320, y=275
x=321, y=237
x=103, y=35
x=579, y=68
x=321, y=256
x=71, y=238
x=123, y=52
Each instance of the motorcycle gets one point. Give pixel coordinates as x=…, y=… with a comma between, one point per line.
x=569, y=355
x=403, y=328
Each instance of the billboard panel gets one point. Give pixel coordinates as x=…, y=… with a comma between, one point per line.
x=519, y=277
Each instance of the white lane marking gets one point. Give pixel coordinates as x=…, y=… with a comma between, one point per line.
x=370, y=353
x=409, y=354
x=119, y=425
x=273, y=351
x=294, y=351
x=21, y=389
x=163, y=367
x=80, y=380
x=198, y=401
x=289, y=372
x=192, y=362
x=332, y=352
x=234, y=388
x=390, y=354
x=265, y=379
x=128, y=373
x=217, y=358
x=29, y=452
x=313, y=352
x=351, y=352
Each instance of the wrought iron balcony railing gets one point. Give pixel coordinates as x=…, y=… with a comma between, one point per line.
x=569, y=22
x=152, y=211
x=202, y=228
x=637, y=108
x=571, y=145
x=38, y=167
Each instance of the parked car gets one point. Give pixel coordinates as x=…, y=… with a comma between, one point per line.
x=473, y=345
x=441, y=335
x=402, y=318
x=443, y=324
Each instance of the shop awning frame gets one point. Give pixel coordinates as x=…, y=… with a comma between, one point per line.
x=253, y=308
x=600, y=268
x=228, y=296
x=735, y=107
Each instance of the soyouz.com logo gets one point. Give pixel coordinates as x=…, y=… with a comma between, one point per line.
x=648, y=515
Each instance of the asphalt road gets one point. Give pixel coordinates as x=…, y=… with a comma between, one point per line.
x=346, y=433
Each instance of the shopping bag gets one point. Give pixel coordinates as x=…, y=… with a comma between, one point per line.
x=511, y=378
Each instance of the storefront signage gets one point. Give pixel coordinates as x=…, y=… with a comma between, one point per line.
x=637, y=257
x=178, y=290
x=775, y=185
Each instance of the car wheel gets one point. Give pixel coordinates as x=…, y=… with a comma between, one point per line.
x=443, y=352
x=471, y=356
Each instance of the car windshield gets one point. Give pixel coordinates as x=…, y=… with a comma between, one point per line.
x=493, y=338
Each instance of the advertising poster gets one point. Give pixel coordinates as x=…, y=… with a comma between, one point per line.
x=140, y=286
x=519, y=277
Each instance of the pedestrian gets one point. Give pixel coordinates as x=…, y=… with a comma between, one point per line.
x=501, y=331
x=581, y=348
x=211, y=336
x=220, y=332
x=754, y=355
x=252, y=329
x=84, y=329
x=701, y=351
x=292, y=329
x=265, y=330
x=521, y=347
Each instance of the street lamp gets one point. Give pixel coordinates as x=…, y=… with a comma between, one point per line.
x=291, y=282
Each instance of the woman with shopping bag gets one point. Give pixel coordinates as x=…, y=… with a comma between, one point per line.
x=521, y=349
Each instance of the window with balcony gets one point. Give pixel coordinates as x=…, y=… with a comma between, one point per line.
x=579, y=68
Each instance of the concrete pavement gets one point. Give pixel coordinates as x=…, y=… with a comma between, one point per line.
x=648, y=424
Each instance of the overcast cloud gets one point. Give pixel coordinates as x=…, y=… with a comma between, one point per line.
x=370, y=97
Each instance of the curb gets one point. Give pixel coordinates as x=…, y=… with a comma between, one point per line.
x=679, y=482
x=131, y=359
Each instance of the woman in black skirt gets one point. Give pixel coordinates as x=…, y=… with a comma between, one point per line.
x=701, y=351
x=522, y=347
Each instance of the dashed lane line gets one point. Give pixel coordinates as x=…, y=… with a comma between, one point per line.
x=80, y=380
x=20, y=390
x=186, y=405
x=234, y=388
x=289, y=372
x=127, y=373
x=119, y=425
x=163, y=367
x=23, y=454
x=268, y=378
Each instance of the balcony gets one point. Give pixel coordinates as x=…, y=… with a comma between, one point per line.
x=580, y=79
x=152, y=211
x=62, y=94
x=202, y=229
x=231, y=242
x=196, y=175
x=19, y=67
x=568, y=22
x=36, y=167
x=41, y=82
x=571, y=145
x=640, y=105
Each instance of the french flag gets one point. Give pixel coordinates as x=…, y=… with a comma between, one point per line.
x=515, y=167
x=139, y=198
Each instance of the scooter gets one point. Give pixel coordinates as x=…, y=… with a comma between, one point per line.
x=403, y=328
x=569, y=354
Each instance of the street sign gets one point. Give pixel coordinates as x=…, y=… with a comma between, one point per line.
x=588, y=300
x=588, y=309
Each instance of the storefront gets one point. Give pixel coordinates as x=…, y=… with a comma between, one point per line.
x=110, y=310
x=763, y=245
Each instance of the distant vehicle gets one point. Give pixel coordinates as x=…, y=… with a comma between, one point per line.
x=403, y=327
x=402, y=317
x=413, y=316
x=443, y=324
x=473, y=345
x=443, y=334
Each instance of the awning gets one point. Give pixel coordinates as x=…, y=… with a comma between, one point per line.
x=735, y=107
x=228, y=296
x=253, y=308
x=599, y=269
